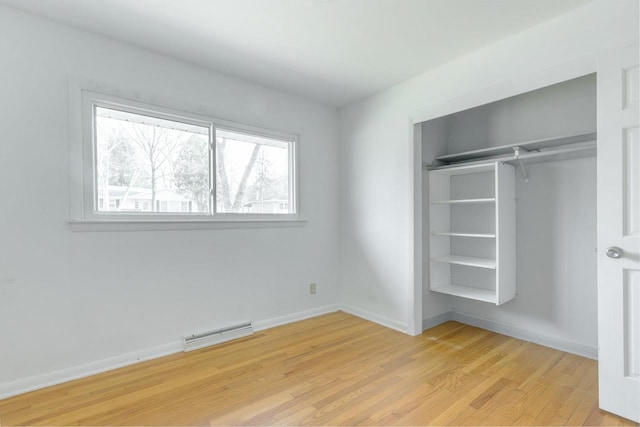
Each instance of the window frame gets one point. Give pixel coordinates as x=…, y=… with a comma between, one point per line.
x=85, y=97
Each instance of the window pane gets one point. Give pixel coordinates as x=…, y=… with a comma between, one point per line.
x=252, y=174
x=146, y=164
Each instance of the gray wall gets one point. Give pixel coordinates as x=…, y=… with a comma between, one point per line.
x=561, y=109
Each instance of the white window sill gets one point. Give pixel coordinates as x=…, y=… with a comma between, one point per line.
x=177, y=224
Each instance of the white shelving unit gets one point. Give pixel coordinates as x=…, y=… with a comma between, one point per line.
x=472, y=235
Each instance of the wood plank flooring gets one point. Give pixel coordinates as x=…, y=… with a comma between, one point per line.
x=334, y=369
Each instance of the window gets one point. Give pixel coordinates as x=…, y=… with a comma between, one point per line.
x=141, y=157
x=252, y=172
x=144, y=162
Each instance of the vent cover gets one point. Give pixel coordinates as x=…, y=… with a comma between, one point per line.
x=205, y=339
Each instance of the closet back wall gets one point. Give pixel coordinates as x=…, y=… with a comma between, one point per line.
x=561, y=109
x=72, y=298
x=555, y=213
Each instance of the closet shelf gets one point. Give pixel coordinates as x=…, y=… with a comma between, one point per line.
x=527, y=146
x=464, y=201
x=448, y=233
x=466, y=292
x=467, y=260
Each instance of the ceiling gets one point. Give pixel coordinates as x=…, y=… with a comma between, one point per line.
x=331, y=51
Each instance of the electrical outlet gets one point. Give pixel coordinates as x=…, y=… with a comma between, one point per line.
x=312, y=288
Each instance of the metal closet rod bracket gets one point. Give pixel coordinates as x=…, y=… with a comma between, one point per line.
x=516, y=155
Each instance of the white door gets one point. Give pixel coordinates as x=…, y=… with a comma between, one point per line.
x=619, y=233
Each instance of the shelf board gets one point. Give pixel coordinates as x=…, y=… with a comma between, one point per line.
x=538, y=144
x=464, y=201
x=480, y=235
x=486, y=166
x=467, y=260
x=466, y=292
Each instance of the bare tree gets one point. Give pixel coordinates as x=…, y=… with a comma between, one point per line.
x=156, y=155
x=157, y=145
x=227, y=205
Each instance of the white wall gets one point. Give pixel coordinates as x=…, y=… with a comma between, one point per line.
x=376, y=150
x=71, y=298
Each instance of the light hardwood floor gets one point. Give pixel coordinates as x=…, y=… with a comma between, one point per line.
x=335, y=369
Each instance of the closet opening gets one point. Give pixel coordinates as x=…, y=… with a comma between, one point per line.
x=508, y=215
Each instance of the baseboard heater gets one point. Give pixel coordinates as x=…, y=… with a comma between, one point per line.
x=205, y=339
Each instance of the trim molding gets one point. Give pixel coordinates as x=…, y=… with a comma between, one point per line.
x=434, y=321
x=375, y=318
x=515, y=332
x=186, y=224
x=36, y=382
x=48, y=379
x=261, y=325
x=490, y=325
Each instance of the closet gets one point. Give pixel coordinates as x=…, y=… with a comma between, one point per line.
x=509, y=212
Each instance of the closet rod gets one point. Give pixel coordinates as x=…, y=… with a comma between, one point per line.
x=501, y=150
x=571, y=151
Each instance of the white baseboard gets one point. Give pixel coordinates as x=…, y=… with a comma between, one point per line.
x=294, y=317
x=375, y=318
x=36, y=382
x=48, y=379
x=435, y=320
x=512, y=331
